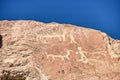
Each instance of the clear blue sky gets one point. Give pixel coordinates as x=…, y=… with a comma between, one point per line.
x=102, y=15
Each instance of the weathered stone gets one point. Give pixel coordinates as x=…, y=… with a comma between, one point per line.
x=32, y=50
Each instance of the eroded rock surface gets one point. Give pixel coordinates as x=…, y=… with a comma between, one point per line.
x=32, y=50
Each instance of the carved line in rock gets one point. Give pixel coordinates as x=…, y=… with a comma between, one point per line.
x=83, y=58
x=61, y=36
x=72, y=39
x=59, y=56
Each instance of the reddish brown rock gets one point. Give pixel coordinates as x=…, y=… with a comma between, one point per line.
x=32, y=50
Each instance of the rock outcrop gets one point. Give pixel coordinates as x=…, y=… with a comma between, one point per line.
x=32, y=50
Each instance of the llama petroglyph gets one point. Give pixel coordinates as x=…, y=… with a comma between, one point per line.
x=65, y=56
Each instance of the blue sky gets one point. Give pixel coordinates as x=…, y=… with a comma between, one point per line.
x=102, y=15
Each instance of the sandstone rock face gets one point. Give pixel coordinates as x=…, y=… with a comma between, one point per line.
x=32, y=50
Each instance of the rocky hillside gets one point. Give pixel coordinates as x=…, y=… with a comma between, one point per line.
x=31, y=50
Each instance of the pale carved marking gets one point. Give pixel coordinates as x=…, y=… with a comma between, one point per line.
x=41, y=34
x=59, y=56
x=72, y=39
x=83, y=57
x=61, y=37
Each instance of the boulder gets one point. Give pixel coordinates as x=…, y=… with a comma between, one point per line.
x=31, y=50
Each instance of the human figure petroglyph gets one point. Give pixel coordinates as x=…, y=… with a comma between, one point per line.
x=42, y=34
x=72, y=39
x=62, y=37
x=83, y=57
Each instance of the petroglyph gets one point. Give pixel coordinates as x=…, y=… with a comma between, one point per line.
x=83, y=57
x=58, y=56
x=38, y=51
x=72, y=40
x=61, y=37
x=42, y=34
